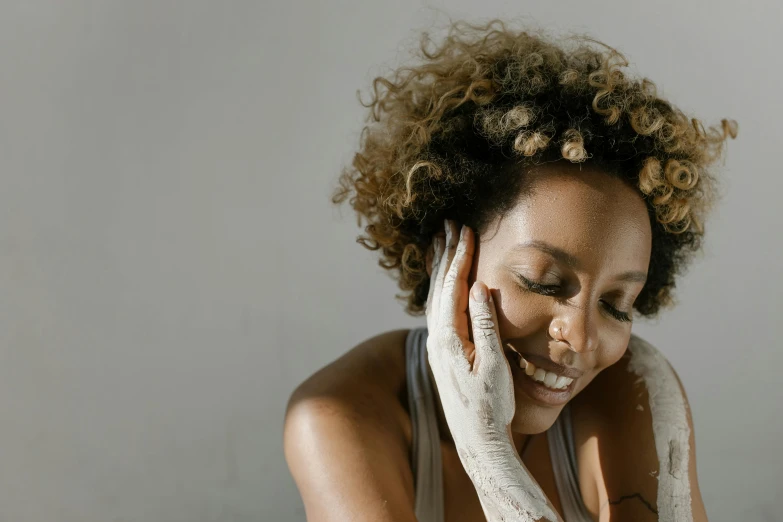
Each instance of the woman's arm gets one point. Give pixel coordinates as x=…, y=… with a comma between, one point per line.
x=505, y=488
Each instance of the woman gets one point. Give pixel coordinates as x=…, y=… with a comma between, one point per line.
x=531, y=199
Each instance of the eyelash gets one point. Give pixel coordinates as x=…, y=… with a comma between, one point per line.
x=554, y=289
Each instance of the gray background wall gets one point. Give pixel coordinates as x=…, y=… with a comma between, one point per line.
x=171, y=267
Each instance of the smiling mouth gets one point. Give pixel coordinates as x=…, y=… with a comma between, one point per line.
x=548, y=379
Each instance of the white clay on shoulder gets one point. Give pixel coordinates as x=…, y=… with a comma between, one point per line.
x=670, y=426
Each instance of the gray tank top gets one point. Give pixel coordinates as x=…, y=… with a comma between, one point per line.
x=426, y=462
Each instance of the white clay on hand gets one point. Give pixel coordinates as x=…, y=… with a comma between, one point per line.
x=475, y=385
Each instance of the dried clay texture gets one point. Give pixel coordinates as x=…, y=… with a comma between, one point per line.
x=671, y=429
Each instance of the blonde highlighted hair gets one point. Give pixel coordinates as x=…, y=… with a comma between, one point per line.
x=441, y=134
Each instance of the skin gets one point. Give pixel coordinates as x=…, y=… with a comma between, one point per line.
x=599, y=222
x=347, y=433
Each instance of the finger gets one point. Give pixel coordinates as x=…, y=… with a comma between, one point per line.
x=437, y=275
x=486, y=336
x=447, y=253
x=455, y=286
x=446, y=283
x=437, y=245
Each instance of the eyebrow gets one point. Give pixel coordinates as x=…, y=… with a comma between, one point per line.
x=564, y=257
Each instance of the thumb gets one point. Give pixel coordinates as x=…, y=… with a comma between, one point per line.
x=486, y=336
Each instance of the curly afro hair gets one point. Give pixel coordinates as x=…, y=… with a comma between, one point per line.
x=441, y=136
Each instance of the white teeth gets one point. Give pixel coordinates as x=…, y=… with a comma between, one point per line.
x=548, y=379
x=526, y=365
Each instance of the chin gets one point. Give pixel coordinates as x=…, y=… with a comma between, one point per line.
x=531, y=419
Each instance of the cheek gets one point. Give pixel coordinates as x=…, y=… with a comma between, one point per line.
x=611, y=353
x=520, y=313
x=613, y=347
x=523, y=312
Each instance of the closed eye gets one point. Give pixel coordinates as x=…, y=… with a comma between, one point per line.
x=617, y=314
x=538, y=287
x=552, y=290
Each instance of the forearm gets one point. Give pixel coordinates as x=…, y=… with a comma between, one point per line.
x=506, y=489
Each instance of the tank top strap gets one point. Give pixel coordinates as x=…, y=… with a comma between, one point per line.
x=564, y=467
x=426, y=457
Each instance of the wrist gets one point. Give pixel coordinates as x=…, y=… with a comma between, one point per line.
x=483, y=438
x=503, y=483
x=487, y=452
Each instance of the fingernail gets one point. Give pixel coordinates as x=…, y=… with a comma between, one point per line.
x=479, y=293
x=462, y=233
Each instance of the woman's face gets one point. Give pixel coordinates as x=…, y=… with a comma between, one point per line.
x=564, y=266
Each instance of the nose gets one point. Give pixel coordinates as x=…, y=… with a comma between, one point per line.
x=576, y=326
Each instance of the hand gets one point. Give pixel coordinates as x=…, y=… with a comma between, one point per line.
x=473, y=378
x=475, y=384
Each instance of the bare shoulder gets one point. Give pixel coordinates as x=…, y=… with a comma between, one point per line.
x=347, y=434
x=615, y=439
x=369, y=379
